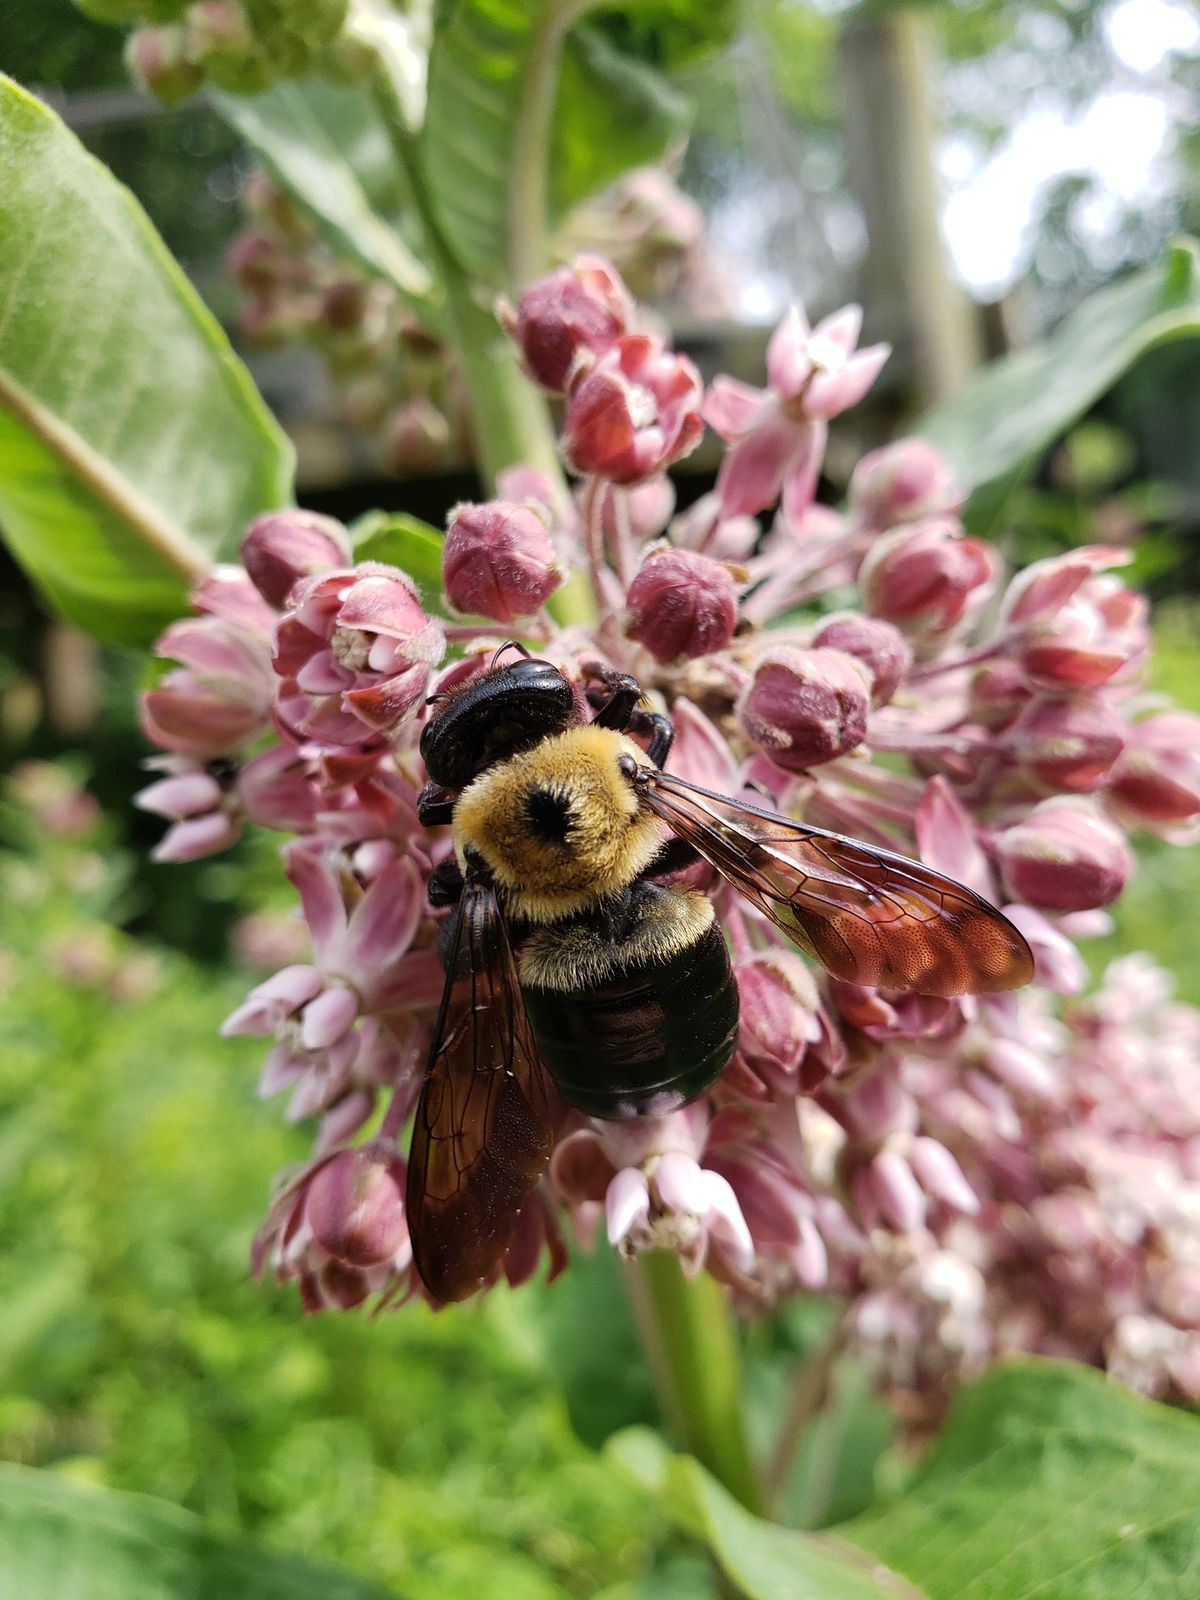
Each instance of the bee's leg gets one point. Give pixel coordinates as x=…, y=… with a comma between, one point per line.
x=674, y=856
x=446, y=883
x=613, y=700
x=435, y=805
x=657, y=729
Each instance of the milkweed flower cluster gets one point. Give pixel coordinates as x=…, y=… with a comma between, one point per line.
x=971, y=1175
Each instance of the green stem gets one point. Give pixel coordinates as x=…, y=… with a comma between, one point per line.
x=526, y=229
x=511, y=422
x=691, y=1346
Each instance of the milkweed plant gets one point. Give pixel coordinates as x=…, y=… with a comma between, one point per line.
x=969, y=1177
x=961, y=1178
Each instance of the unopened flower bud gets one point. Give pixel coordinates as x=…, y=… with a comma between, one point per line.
x=922, y=577
x=778, y=1000
x=1064, y=856
x=806, y=706
x=681, y=604
x=1068, y=744
x=221, y=39
x=1156, y=781
x=159, y=61
x=259, y=266
x=418, y=438
x=900, y=483
x=568, y=318
x=282, y=546
x=498, y=560
x=881, y=648
x=999, y=692
x=635, y=412
x=355, y=1206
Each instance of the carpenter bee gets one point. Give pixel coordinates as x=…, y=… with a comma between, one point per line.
x=568, y=954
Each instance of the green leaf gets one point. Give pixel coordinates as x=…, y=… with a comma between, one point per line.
x=133, y=444
x=329, y=146
x=996, y=429
x=62, y=1541
x=612, y=112
x=399, y=540
x=765, y=1561
x=1049, y=1480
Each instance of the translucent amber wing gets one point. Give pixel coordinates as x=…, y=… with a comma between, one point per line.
x=866, y=915
x=482, y=1135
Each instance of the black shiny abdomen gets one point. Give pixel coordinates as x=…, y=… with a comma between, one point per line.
x=493, y=717
x=649, y=1040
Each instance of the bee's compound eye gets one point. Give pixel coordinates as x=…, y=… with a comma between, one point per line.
x=627, y=766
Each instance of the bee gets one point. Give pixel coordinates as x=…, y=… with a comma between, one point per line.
x=570, y=953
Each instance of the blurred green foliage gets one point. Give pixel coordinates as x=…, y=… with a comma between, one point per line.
x=431, y=1452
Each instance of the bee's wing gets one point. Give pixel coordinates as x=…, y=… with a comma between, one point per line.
x=482, y=1135
x=866, y=915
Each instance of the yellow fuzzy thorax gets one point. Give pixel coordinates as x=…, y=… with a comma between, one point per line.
x=577, y=958
x=609, y=837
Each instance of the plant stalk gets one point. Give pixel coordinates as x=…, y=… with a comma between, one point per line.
x=691, y=1347
x=510, y=420
x=526, y=230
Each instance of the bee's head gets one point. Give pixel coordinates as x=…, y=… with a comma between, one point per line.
x=495, y=715
x=560, y=824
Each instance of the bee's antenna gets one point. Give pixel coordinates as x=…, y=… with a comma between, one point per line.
x=511, y=644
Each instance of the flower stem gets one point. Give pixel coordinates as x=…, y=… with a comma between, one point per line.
x=691, y=1347
x=511, y=422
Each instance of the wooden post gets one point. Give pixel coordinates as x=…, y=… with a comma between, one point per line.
x=888, y=63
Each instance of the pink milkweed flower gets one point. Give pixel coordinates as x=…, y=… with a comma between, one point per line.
x=1067, y=743
x=778, y=433
x=923, y=576
x=282, y=547
x=218, y=700
x=806, y=706
x=498, y=560
x=1064, y=856
x=567, y=319
x=355, y=651
x=339, y=1228
x=362, y=967
x=198, y=802
x=681, y=604
x=1155, y=782
x=881, y=648
x=635, y=412
x=901, y=482
x=1071, y=627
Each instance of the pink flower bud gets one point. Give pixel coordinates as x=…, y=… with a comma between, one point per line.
x=159, y=60
x=498, y=560
x=999, y=691
x=778, y=1000
x=1067, y=744
x=418, y=438
x=940, y=1175
x=283, y=546
x=567, y=319
x=922, y=577
x=681, y=604
x=636, y=410
x=259, y=265
x=806, y=706
x=1156, y=781
x=881, y=648
x=355, y=1206
x=900, y=483
x=1064, y=857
